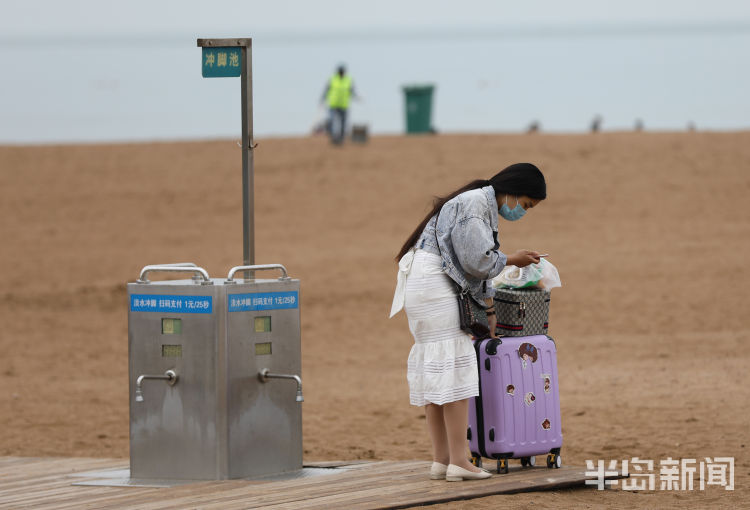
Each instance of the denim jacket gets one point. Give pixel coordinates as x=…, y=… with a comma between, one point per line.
x=466, y=238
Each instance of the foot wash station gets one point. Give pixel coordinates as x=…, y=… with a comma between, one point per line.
x=215, y=387
x=215, y=363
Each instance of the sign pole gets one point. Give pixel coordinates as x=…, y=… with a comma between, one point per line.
x=248, y=170
x=223, y=58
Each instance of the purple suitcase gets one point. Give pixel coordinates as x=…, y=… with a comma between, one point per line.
x=517, y=412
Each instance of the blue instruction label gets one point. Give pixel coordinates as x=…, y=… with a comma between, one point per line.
x=174, y=304
x=263, y=301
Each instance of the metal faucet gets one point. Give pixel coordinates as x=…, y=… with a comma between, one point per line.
x=170, y=376
x=264, y=375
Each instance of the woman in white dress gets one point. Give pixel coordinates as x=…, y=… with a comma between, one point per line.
x=457, y=244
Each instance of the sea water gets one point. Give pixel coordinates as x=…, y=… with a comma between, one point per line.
x=150, y=88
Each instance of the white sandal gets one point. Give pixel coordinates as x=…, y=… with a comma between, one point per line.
x=457, y=474
x=437, y=471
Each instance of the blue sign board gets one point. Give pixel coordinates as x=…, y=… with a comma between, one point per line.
x=263, y=301
x=174, y=304
x=222, y=62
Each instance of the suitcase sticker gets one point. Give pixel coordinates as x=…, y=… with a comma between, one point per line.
x=527, y=352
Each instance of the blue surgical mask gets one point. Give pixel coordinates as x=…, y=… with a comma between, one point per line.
x=512, y=214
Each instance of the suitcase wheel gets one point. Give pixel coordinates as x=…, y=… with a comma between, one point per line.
x=502, y=466
x=554, y=460
x=477, y=461
x=528, y=461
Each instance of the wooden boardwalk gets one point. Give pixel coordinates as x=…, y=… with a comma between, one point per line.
x=48, y=483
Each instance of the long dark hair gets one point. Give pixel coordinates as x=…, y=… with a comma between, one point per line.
x=518, y=179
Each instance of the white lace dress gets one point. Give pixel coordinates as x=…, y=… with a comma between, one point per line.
x=442, y=365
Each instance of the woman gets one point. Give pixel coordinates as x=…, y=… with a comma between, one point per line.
x=457, y=242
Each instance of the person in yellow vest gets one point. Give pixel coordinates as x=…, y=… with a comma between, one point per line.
x=338, y=92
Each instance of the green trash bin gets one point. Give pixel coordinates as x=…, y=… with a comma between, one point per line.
x=418, y=103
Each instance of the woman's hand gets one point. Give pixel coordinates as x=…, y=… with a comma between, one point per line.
x=523, y=258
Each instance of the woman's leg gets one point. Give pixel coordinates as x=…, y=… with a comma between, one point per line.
x=436, y=428
x=456, y=422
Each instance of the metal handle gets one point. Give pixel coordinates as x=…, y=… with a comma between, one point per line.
x=283, y=276
x=171, y=268
x=196, y=277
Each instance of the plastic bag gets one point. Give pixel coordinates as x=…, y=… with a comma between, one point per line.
x=550, y=276
x=514, y=277
x=542, y=275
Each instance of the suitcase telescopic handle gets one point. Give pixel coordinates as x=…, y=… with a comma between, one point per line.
x=230, y=277
x=182, y=267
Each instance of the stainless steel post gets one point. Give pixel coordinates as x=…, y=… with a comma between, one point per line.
x=248, y=176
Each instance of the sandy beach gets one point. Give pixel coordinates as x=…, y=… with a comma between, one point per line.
x=649, y=232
